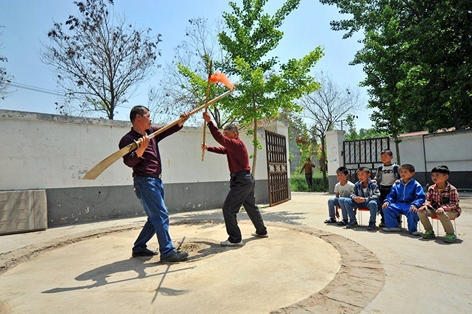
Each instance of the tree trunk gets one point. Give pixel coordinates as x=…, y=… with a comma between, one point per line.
x=254, y=143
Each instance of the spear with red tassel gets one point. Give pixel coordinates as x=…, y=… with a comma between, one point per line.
x=210, y=70
x=93, y=173
x=215, y=78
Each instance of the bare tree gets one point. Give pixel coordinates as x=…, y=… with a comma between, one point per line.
x=4, y=76
x=184, y=79
x=98, y=61
x=326, y=108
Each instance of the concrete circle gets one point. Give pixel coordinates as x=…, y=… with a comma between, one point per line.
x=294, y=269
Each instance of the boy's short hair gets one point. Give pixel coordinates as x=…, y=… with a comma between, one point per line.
x=441, y=169
x=408, y=167
x=386, y=151
x=343, y=170
x=364, y=169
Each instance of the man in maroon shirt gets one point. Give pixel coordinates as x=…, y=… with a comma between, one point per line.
x=241, y=184
x=146, y=164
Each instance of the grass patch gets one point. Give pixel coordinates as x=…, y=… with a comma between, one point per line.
x=298, y=183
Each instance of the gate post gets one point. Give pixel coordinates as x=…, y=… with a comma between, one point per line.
x=334, y=152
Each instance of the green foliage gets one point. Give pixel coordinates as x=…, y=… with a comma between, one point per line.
x=417, y=57
x=352, y=133
x=198, y=85
x=266, y=87
x=305, y=142
x=298, y=183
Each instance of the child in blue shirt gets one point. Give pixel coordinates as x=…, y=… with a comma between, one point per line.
x=366, y=194
x=405, y=197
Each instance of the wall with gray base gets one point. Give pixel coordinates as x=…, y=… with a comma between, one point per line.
x=422, y=150
x=53, y=152
x=82, y=205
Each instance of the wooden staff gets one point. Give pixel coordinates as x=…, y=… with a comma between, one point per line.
x=93, y=173
x=206, y=109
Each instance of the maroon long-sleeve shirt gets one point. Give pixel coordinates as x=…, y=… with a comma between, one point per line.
x=150, y=163
x=234, y=148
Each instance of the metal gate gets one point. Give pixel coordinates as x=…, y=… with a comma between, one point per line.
x=363, y=153
x=277, y=168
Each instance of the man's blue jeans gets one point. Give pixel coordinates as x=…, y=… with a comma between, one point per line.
x=145, y=235
x=150, y=191
x=337, y=201
x=350, y=204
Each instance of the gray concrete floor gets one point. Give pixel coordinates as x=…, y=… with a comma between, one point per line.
x=304, y=266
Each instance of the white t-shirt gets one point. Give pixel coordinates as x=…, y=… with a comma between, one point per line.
x=344, y=190
x=388, y=176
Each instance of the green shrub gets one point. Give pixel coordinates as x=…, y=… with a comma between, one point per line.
x=298, y=182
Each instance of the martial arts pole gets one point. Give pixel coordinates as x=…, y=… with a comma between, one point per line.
x=93, y=173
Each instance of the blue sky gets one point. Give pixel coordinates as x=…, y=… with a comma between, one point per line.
x=26, y=23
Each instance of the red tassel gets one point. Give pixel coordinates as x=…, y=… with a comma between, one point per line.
x=220, y=77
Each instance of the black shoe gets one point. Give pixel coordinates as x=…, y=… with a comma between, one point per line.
x=330, y=220
x=342, y=223
x=146, y=252
x=175, y=257
x=371, y=226
x=352, y=224
x=255, y=234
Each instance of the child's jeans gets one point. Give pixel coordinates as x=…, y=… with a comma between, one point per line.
x=350, y=204
x=337, y=201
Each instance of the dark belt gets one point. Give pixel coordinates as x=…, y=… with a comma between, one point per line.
x=234, y=174
x=152, y=175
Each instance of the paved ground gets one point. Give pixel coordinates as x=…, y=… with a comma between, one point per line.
x=304, y=266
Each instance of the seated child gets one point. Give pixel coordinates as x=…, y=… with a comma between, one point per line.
x=366, y=194
x=442, y=201
x=342, y=190
x=405, y=197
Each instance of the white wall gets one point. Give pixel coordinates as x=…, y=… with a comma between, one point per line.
x=453, y=149
x=42, y=151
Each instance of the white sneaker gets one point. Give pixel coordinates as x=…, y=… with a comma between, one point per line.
x=395, y=229
x=227, y=243
x=415, y=233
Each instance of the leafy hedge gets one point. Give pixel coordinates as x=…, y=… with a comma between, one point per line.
x=298, y=182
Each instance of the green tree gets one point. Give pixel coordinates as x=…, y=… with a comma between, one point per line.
x=351, y=133
x=303, y=138
x=99, y=61
x=417, y=57
x=266, y=87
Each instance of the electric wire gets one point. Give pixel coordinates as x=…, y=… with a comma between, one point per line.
x=32, y=88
